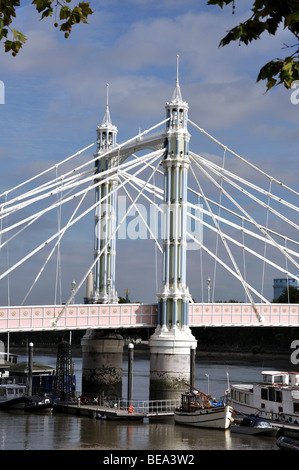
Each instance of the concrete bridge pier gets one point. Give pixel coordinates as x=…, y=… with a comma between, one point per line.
x=170, y=363
x=102, y=357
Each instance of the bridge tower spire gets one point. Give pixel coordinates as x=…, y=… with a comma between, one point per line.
x=174, y=296
x=170, y=371
x=102, y=350
x=104, y=290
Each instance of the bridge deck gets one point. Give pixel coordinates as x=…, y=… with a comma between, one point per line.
x=42, y=317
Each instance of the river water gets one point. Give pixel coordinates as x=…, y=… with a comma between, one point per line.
x=55, y=431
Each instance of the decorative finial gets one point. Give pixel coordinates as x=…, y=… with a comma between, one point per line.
x=107, y=94
x=177, y=97
x=107, y=118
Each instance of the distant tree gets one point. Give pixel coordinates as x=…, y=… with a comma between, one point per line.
x=267, y=16
x=66, y=16
x=289, y=295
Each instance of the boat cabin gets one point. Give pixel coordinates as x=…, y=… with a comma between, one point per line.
x=188, y=400
x=280, y=378
x=195, y=399
x=10, y=391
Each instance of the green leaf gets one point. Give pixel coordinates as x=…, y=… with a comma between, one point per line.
x=18, y=36
x=292, y=18
x=42, y=5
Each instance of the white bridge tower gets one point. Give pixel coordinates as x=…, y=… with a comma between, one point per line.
x=171, y=343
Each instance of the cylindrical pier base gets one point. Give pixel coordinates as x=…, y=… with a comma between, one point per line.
x=170, y=362
x=102, y=356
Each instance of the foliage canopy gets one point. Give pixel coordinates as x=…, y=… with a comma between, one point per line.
x=268, y=16
x=64, y=14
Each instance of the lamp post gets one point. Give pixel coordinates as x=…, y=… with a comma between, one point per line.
x=73, y=301
x=130, y=373
x=207, y=375
x=209, y=289
x=73, y=291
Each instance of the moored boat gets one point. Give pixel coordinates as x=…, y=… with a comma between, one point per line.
x=275, y=398
x=200, y=410
x=13, y=396
x=39, y=403
x=287, y=443
x=254, y=426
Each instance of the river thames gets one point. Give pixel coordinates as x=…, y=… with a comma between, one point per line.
x=55, y=431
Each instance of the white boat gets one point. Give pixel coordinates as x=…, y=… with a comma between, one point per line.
x=12, y=396
x=199, y=410
x=276, y=398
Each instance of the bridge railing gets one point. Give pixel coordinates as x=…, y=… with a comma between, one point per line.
x=43, y=317
x=72, y=317
x=242, y=314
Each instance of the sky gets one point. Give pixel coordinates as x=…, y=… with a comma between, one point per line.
x=55, y=97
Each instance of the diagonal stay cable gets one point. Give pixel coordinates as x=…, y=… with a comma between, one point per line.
x=247, y=193
x=244, y=219
x=246, y=248
x=65, y=183
x=282, y=250
x=128, y=165
x=265, y=192
x=156, y=155
x=243, y=159
x=101, y=252
x=117, y=147
x=247, y=231
x=62, y=232
x=227, y=248
x=232, y=272
x=48, y=169
x=143, y=220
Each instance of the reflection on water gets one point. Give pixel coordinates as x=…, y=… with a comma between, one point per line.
x=25, y=431
x=29, y=431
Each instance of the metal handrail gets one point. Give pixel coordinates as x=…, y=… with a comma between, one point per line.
x=149, y=406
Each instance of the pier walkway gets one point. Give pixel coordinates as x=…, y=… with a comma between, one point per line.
x=138, y=409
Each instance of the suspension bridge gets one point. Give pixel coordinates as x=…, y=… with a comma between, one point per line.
x=212, y=209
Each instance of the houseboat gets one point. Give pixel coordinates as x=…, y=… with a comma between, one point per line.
x=275, y=398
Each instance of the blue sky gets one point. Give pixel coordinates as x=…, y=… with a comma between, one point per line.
x=55, y=93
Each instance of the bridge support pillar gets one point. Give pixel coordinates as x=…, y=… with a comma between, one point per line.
x=170, y=362
x=102, y=357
